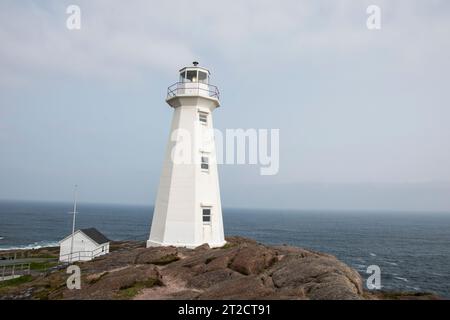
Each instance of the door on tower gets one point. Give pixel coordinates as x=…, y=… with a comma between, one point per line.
x=206, y=218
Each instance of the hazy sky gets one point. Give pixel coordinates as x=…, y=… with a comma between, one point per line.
x=364, y=116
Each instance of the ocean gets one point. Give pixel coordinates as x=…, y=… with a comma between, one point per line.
x=411, y=249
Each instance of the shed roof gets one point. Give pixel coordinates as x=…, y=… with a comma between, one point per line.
x=95, y=235
x=92, y=234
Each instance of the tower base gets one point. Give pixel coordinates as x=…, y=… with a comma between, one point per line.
x=152, y=243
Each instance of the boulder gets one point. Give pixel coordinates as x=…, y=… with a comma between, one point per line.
x=253, y=259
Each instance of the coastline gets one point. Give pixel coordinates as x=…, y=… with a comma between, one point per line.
x=33, y=246
x=241, y=269
x=351, y=237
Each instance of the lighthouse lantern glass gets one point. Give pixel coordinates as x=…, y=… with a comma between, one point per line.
x=191, y=76
x=183, y=76
x=194, y=76
x=202, y=77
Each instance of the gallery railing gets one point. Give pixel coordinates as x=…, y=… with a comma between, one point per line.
x=192, y=88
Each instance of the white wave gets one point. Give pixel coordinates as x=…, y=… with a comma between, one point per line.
x=373, y=254
x=400, y=278
x=391, y=263
x=414, y=288
x=35, y=245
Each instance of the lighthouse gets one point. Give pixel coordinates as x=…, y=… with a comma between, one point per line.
x=188, y=210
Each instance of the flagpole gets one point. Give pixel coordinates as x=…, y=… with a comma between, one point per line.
x=73, y=220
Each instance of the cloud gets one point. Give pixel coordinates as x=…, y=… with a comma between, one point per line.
x=353, y=105
x=119, y=40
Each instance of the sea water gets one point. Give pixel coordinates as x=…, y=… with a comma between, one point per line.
x=411, y=249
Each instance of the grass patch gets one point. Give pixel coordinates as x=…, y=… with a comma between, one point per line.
x=129, y=292
x=44, y=265
x=228, y=245
x=47, y=294
x=166, y=260
x=42, y=294
x=16, y=281
x=50, y=287
x=45, y=256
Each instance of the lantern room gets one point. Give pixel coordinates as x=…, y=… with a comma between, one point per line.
x=194, y=74
x=193, y=81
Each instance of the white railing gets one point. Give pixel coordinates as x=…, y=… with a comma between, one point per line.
x=14, y=269
x=192, y=88
x=81, y=255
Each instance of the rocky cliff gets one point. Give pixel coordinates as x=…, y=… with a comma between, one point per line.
x=242, y=269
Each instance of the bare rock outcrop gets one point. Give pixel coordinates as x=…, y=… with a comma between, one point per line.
x=242, y=269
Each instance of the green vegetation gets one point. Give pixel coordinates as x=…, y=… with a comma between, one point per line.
x=41, y=294
x=16, y=281
x=44, y=253
x=128, y=292
x=50, y=287
x=45, y=256
x=42, y=265
x=166, y=260
x=228, y=245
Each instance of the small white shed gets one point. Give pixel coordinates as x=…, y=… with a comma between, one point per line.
x=87, y=244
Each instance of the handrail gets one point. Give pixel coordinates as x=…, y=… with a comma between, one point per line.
x=14, y=270
x=202, y=89
x=90, y=254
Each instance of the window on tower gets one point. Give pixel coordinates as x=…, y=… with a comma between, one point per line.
x=203, y=118
x=204, y=163
x=206, y=214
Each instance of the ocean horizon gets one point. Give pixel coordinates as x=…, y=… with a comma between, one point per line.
x=411, y=248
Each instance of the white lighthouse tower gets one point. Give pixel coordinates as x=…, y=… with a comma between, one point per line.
x=188, y=210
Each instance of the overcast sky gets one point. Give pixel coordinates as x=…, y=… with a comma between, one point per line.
x=364, y=116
